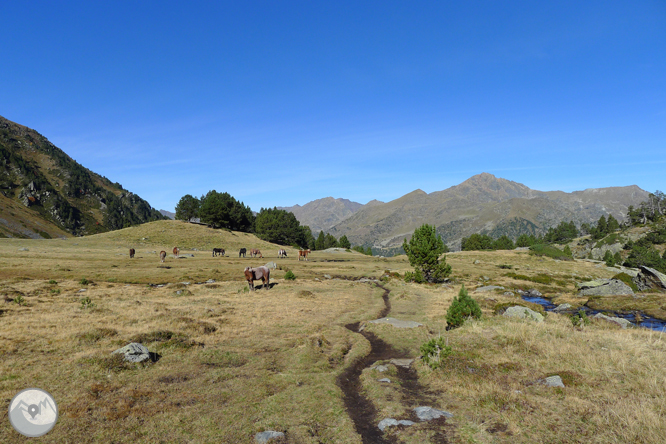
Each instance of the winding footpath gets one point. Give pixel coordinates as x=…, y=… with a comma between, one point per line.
x=361, y=409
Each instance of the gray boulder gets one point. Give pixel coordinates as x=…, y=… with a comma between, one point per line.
x=396, y=323
x=648, y=278
x=619, y=321
x=134, y=352
x=267, y=436
x=518, y=311
x=553, y=381
x=488, y=288
x=604, y=287
x=428, y=413
x=532, y=293
x=562, y=307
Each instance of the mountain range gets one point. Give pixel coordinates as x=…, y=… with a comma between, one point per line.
x=45, y=193
x=482, y=204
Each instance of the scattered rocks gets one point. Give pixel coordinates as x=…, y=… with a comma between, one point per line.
x=604, y=287
x=182, y=256
x=81, y=290
x=267, y=436
x=649, y=278
x=428, y=413
x=396, y=323
x=489, y=288
x=508, y=293
x=327, y=276
x=134, y=352
x=381, y=368
x=390, y=422
x=476, y=262
x=518, y=311
x=384, y=380
x=531, y=293
x=619, y=321
x=23, y=249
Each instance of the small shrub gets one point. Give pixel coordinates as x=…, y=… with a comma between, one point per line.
x=84, y=281
x=289, y=275
x=53, y=282
x=55, y=290
x=434, y=352
x=87, y=303
x=462, y=307
x=19, y=300
x=580, y=319
x=505, y=266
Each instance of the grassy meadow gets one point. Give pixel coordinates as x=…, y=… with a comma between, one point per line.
x=234, y=362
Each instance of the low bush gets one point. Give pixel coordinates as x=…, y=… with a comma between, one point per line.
x=462, y=308
x=434, y=352
x=289, y=275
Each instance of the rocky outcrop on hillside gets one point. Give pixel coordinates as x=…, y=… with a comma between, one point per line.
x=322, y=214
x=649, y=278
x=604, y=287
x=44, y=179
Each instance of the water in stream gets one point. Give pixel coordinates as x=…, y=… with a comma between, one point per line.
x=646, y=321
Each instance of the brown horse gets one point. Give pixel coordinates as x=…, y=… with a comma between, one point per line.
x=255, y=252
x=282, y=253
x=162, y=255
x=176, y=250
x=218, y=251
x=303, y=253
x=132, y=252
x=254, y=274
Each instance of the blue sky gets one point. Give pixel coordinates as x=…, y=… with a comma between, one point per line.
x=281, y=103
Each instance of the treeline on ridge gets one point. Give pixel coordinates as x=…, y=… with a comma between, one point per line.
x=221, y=210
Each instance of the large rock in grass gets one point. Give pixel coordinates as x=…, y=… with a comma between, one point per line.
x=604, y=287
x=619, y=321
x=134, y=352
x=649, y=278
x=521, y=312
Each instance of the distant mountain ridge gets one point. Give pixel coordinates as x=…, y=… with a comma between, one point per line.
x=481, y=204
x=322, y=214
x=55, y=194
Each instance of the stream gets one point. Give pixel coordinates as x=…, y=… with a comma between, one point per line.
x=646, y=321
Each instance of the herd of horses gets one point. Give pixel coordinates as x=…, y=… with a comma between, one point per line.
x=251, y=274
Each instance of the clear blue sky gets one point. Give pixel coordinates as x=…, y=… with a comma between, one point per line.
x=281, y=102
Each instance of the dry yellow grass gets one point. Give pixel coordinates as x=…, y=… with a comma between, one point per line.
x=234, y=362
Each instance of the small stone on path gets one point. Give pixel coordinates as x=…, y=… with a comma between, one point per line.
x=388, y=422
x=405, y=363
x=384, y=380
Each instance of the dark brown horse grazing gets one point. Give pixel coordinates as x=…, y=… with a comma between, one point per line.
x=218, y=251
x=176, y=250
x=162, y=255
x=282, y=253
x=254, y=274
x=303, y=253
x=132, y=252
x=242, y=252
x=254, y=252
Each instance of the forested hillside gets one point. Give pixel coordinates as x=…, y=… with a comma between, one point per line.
x=58, y=190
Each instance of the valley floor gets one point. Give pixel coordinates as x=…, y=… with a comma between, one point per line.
x=234, y=362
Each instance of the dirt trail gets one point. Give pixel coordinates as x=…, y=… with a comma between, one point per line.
x=360, y=409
